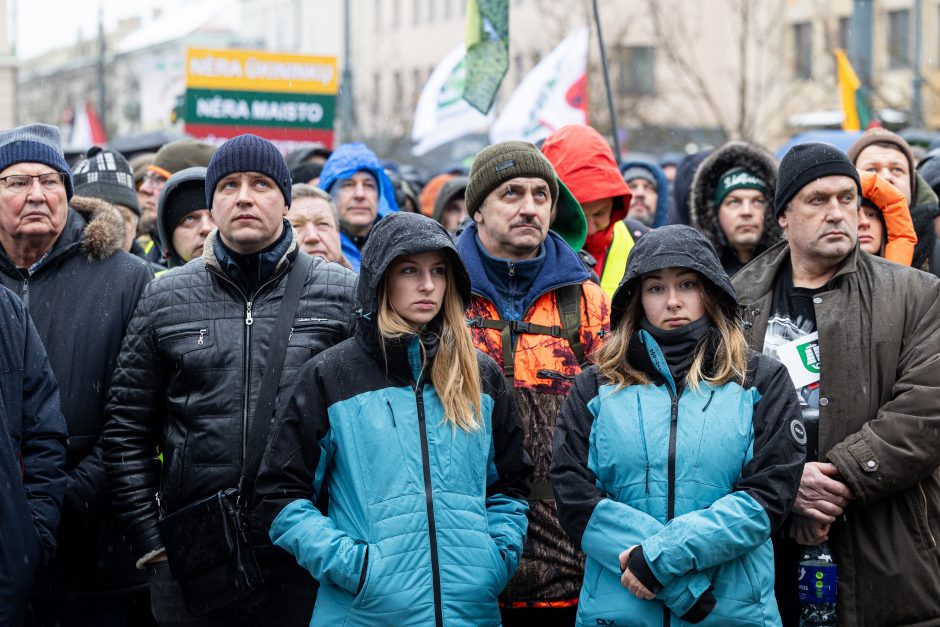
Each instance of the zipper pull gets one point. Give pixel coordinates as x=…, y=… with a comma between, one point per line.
x=647, y=478
x=25, y=291
x=248, y=318
x=512, y=269
x=291, y=334
x=202, y=333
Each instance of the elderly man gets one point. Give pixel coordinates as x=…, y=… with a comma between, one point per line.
x=315, y=221
x=362, y=192
x=860, y=336
x=81, y=290
x=189, y=375
x=32, y=456
x=732, y=203
x=535, y=311
x=650, y=189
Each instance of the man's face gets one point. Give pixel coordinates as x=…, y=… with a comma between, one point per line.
x=130, y=225
x=357, y=199
x=148, y=194
x=597, y=213
x=455, y=212
x=870, y=230
x=643, y=204
x=821, y=222
x=249, y=209
x=741, y=217
x=670, y=171
x=38, y=212
x=889, y=163
x=514, y=218
x=190, y=234
x=315, y=228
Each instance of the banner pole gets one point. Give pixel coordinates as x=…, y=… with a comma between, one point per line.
x=610, y=97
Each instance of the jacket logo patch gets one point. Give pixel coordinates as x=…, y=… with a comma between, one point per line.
x=505, y=164
x=798, y=432
x=604, y=621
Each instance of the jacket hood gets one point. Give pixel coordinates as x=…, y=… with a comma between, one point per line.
x=104, y=234
x=923, y=211
x=673, y=246
x=351, y=158
x=404, y=234
x=455, y=186
x=682, y=185
x=585, y=163
x=703, y=210
x=662, y=188
x=195, y=175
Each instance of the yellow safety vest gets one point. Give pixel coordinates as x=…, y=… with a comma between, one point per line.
x=615, y=264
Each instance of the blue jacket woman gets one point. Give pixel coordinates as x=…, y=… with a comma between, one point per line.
x=679, y=453
x=415, y=436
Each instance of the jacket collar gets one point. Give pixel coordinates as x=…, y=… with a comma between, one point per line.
x=284, y=255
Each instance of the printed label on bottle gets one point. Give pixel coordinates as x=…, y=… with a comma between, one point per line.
x=818, y=583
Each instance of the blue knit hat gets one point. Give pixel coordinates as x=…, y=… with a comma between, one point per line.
x=35, y=143
x=248, y=153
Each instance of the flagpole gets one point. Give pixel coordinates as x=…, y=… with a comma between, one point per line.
x=610, y=97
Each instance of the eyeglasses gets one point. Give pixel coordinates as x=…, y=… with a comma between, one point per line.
x=155, y=180
x=21, y=183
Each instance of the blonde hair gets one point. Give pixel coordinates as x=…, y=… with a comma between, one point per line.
x=730, y=362
x=454, y=371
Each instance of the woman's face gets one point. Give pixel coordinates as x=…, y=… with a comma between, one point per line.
x=416, y=285
x=870, y=231
x=672, y=297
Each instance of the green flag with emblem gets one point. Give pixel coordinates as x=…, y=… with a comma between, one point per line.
x=487, y=51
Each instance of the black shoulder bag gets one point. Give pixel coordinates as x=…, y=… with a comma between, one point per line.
x=207, y=542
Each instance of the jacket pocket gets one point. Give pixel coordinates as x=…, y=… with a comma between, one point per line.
x=922, y=514
x=310, y=336
x=175, y=341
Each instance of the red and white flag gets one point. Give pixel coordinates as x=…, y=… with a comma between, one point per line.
x=87, y=130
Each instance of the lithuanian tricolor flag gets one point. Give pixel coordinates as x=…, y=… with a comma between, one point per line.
x=858, y=115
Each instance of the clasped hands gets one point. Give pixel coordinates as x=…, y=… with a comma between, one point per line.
x=819, y=501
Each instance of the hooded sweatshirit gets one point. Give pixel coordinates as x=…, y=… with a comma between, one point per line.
x=426, y=521
x=697, y=478
x=585, y=164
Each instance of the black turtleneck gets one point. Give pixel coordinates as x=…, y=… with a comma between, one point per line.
x=251, y=271
x=679, y=345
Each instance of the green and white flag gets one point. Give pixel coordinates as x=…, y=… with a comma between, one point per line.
x=487, y=51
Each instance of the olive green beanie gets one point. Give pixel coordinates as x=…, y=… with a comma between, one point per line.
x=496, y=164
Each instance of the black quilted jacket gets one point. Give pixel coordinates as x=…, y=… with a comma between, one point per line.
x=188, y=376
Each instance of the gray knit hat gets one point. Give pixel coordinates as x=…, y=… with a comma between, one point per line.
x=35, y=143
x=107, y=175
x=496, y=164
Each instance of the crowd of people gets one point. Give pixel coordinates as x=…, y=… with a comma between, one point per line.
x=555, y=388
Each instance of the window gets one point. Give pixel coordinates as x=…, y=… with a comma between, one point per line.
x=376, y=93
x=447, y=9
x=396, y=13
x=636, y=70
x=399, y=92
x=803, y=50
x=899, y=39
x=845, y=32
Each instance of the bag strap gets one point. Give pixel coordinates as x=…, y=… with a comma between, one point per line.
x=264, y=405
x=568, y=298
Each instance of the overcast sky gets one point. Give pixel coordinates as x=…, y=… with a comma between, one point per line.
x=45, y=24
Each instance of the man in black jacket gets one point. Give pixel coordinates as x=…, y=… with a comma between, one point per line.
x=32, y=456
x=190, y=372
x=80, y=289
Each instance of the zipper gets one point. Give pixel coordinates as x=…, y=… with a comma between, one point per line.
x=671, y=494
x=429, y=502
x=512, y=269
x=24, y=292
x=923, y=495
x=172, y=335
x=246, y=370
x=646, y=456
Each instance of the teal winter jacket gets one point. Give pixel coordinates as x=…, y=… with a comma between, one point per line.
x=426, y=521
x=697, y=478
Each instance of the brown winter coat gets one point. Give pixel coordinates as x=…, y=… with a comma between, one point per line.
x=879, y=423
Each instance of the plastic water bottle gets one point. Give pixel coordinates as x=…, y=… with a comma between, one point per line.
x=818, y=577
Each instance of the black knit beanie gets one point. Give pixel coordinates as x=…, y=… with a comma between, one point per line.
x=248, y=153
x=803, y=164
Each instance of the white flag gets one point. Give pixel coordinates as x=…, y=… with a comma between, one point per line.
x=552, y=94
x=442, y=114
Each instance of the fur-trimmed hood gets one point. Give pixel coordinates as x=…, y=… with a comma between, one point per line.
x=703, y=211
x=104, y=234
